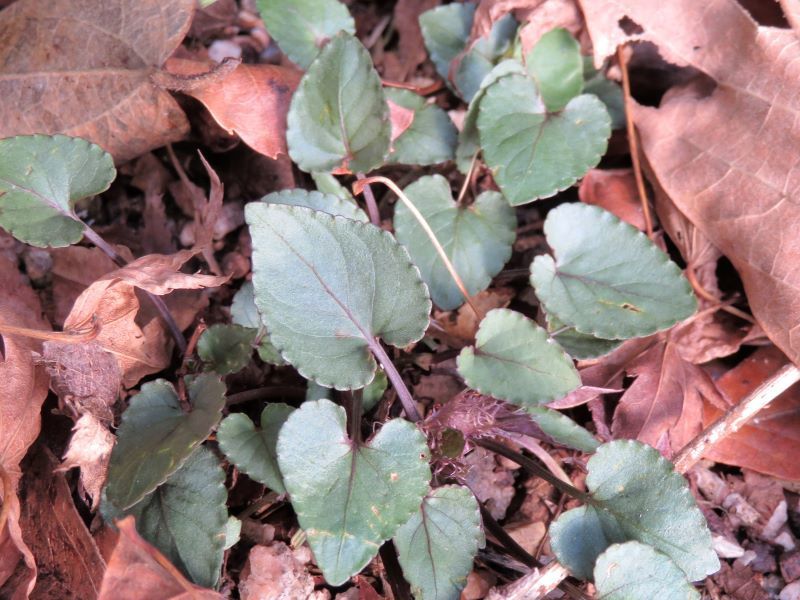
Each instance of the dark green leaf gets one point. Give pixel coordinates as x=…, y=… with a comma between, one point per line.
x=329, y=203
x=514, y=360
x=226, y=348
x=579, y=345
x=535, y=154
x=302, y=27
x=556, y=65
x=477, y=239
x=41, y=179
x=563, y=430
x=327, y=287
x=252, y=450
x=245, y=313
x=481, y=58
x=338, y=115
x=436, y=546
x=445, y=30
x=430, y=139
x=608, y=280
x=156, y=436
x=350, y=498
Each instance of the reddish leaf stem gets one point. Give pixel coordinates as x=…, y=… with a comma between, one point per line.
x=397, y=381
x=372, y=205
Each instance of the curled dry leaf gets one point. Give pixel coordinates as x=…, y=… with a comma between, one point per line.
x=83, y=67
x=714, y=154
x=250, y=101
x=274, y=573
x=136, y=570
x=74, y=269
x=22, y=393
x=400, y=117
x=90, y=450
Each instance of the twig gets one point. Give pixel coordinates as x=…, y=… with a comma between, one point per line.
x=360, y=185
x=736, y=417
x=397, y=381
x=633, y=142
x=372, y=206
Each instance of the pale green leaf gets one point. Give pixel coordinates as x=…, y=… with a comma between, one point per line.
x=338, y=115
x=371, y=395
x=477, y=239
x=156, y=436
x=186, y=517
x=245, y=313
x=253, y=450
x=328, y=287
x=226, y=348
x=350, y=498
x=634, y=571
x=608, y=279
x=514, y=360
x=328, y=184
x=233, y=532
x=563, y=430
x=484, y=54
x=579, y=345
x=635, y=495
x=556, y=65
x=329, y=203
x=432, y=136
x=302, y=27
x=445, y=30
x=535, y=154
x=436, y=546
x=41, y=179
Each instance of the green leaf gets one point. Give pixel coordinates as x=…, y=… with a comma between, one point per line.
x=608, y=279
x=328, y=184
x=302, y=27
x=253, y=450
x=563, y=430
x=477, y=239
x=233, y=532
x=328, y=287
x=635, y=495
x=579, y=345
x=514, y=360
x=41, y=179
x=445, y=30
x=634, y=571
x=436, y=546
x=431, y=138
x=156, y=436
x=329, y=203
x=609, y=92
x=186, y=517
x=481, y=58
x=226, y=348
x=245, y=313
x=469, y=138
x=338, y=115
x=370, y=396
x=556, y=65
x=350, y=498
x=535, y=154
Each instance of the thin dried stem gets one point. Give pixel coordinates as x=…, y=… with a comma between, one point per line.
x=465, y=186
x=372, y=205
x=360, y=185
x=77, y=336
x=634, y=142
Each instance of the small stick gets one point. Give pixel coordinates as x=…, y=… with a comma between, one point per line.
x=372, y=206
x=633, y=142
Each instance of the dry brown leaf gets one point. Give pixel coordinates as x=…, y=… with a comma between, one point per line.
x=70, y=565
x=90, y=450
x=274, y=573
x=83, y=67
x=491, y=483
x=463, y=323
x=22, y=393
x=251, y=101
x=547, y=16
x=136, y=570
x=615, y=191
x=770, y=443
x=715, y=154
x=400, y=118
x=411, y=50
x=74, y=269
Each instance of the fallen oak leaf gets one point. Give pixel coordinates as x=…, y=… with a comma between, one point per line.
x=136, y=570
x=92, y=78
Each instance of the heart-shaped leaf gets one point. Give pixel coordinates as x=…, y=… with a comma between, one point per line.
x=226, y=348
x=156, y=436
x=482, y=56
x=41, y=179
x=432, y=136
x=556, y=65
x=328, y=287
x=563, y=430
x=635, y=495
x=245, y=313
x=535, y=154
x=302, y=27
x=186, y=517
x=634, y=571
x=436, y=546
x=329, y=203
x=350, y=498
x=252, y=450
x=608, y=280
x=514, y=359
x=477, y=239
x=339, y=117
x=578, y=345
x=445, y=30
